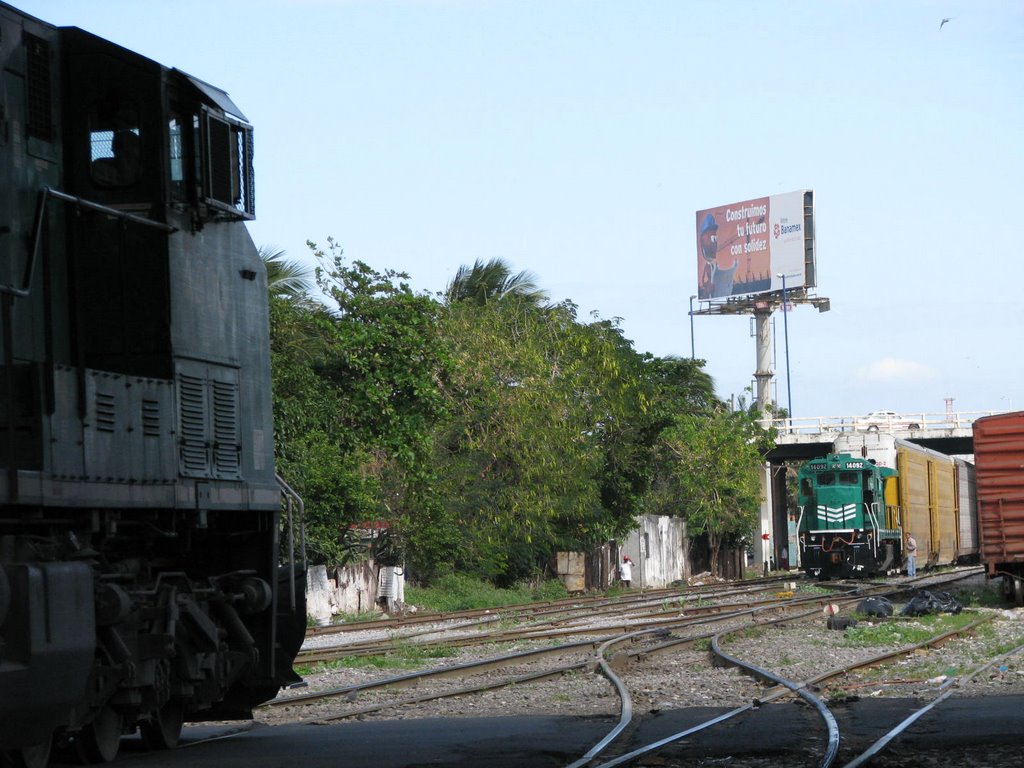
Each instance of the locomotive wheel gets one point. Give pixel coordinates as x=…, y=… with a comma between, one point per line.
x=164, y=730
x=36, y=756
x=1018, y=591
x=99, y=741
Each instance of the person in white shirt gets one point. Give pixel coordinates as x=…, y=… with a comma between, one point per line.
x=626, y=571
x=911, y=552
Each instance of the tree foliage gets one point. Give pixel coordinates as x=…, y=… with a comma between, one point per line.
x=535, y=399
x=710, y=466
x=355, y=410
x=493, y=281
x=489, y=429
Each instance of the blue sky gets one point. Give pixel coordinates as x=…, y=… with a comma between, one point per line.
x=576, y=139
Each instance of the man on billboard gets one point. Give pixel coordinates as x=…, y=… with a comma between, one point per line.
x=715, y=281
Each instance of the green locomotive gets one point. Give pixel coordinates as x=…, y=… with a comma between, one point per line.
x=857, y=504
x=849, y=517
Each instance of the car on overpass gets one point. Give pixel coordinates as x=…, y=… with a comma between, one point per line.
x=885, y=421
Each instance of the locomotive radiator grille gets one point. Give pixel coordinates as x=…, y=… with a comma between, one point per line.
x=210, y=442
x=194, y=445
x=226, y=459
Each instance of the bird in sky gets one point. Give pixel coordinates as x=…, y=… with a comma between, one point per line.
x=941, y=23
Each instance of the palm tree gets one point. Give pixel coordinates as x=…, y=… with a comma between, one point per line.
x=493, y=281
x=682, y=384
x=286, y=279
x=294, y=311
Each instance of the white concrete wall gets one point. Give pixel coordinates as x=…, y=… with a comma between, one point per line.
x=658, y=550
x=330, y=591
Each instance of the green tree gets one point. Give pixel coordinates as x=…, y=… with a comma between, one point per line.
x=712, y=463
x=493, y=281
x=540, y=408
x=681, y=386
x=354, y=412
x=286, y=278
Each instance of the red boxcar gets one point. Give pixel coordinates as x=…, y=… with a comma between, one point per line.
x=999, y=458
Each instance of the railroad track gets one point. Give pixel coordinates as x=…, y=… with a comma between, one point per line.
x=661, y=608
x=656, y=622
x=787, y=687
x=620, y=650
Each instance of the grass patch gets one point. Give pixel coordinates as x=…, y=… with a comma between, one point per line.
x=458, y=592
x=901, y=632
x=743, y=633
x=403, y=657
x=981, y=597
x=811, y=588
x=355, y=618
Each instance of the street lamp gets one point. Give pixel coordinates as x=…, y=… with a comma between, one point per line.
x=785, y=328
x=691, y=327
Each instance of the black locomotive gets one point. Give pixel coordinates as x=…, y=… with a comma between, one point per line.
x=144, y=577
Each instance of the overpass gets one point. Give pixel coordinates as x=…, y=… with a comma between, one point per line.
x=801, y=439
x=805, y=438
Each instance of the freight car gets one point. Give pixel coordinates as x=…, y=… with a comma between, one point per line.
x=142, y=582
x=857, y=503
x=999, y=457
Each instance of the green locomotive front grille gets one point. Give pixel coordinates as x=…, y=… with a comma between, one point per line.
x=843, y=516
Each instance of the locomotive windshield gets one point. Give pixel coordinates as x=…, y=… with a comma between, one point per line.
x=838, y=478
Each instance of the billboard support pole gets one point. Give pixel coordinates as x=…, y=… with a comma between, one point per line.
x=692, y=348
x=764, y=372
x=785, y=326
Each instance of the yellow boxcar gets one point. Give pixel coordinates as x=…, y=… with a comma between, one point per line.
x=929, y=502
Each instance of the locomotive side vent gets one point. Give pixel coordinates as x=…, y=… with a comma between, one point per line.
x=226, y=448
x=106, y=412
x=38, y=91
x=194, y=456
x=151, y=418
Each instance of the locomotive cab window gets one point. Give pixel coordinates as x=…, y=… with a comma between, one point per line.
x=176, y=154
x=115, y=145
x=226, y=165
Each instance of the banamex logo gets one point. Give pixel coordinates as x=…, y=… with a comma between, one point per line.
x=784, y=229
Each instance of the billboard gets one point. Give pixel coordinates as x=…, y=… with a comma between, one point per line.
x=742, y=248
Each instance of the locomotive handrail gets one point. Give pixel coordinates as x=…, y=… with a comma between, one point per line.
x=81, y=201
x=30, y=266
x=872, y=509
x=290, y=496
x=37, y=234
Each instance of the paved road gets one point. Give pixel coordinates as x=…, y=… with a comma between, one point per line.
x=966, y=728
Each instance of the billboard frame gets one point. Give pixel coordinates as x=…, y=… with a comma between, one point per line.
x=744, y=248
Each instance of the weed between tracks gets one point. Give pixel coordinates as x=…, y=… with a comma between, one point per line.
x=981, y=597
x=806, y=587
x=403, y=657
x=895, y=633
